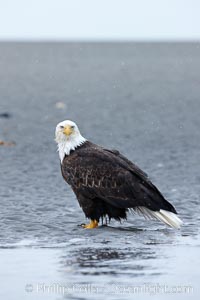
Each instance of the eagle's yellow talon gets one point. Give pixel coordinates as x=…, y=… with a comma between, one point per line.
x=91, y=225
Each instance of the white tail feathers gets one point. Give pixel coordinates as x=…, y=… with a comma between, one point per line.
x=162, y=215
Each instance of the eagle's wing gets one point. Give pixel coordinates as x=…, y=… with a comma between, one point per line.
x=129, y=163
x=104, y=174
x=133, y=168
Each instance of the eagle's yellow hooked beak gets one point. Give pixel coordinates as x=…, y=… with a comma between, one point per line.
x=68, y=130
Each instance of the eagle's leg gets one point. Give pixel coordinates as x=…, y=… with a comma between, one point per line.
x=91, y=225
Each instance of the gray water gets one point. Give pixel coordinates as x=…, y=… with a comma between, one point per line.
x=142, y=99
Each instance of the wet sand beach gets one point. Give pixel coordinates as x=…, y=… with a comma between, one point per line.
x=140, y=98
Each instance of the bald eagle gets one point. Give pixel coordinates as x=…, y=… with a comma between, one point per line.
x=106, y=183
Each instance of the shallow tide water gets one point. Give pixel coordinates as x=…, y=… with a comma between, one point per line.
x=142, y=99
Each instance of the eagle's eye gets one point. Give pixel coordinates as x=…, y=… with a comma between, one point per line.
x=61, y=127
x=72, y=127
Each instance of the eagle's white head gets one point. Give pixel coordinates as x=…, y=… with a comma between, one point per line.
x=68, y=138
